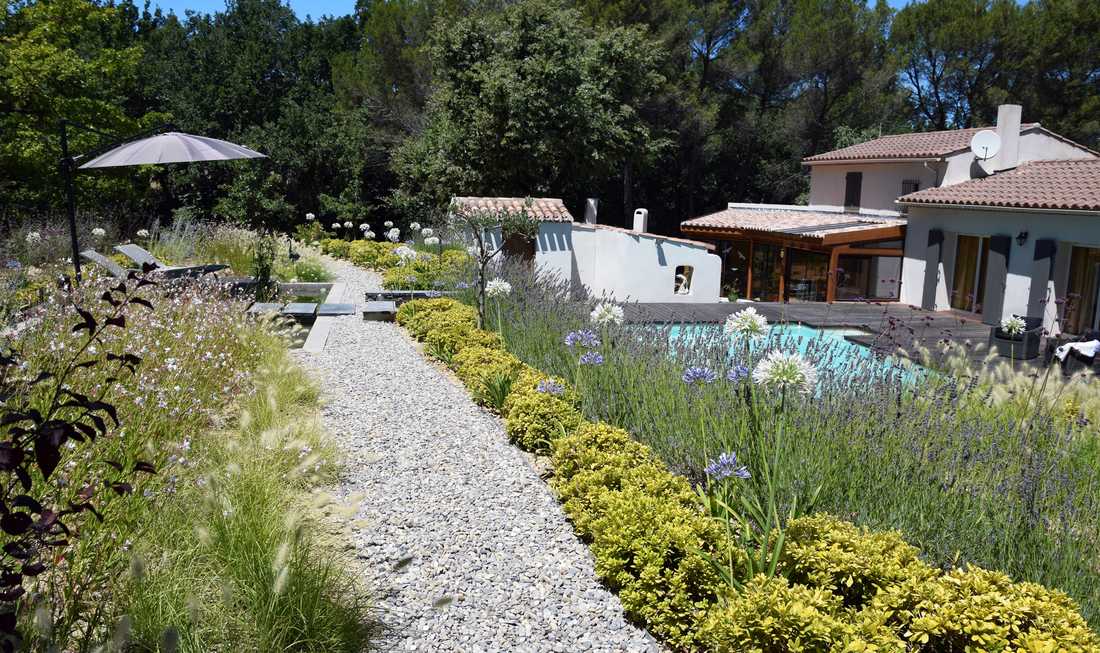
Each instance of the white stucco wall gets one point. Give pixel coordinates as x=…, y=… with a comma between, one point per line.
x=1067, y=228
x=625, y=265
x=881, y=183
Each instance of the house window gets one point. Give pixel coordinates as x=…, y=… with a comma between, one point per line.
x=682, y=281
x=853, y=189
x=909, y=186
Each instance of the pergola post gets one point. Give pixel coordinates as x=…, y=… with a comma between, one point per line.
x=831, y=279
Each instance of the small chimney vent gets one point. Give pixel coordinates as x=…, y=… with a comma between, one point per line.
x=590, y=207
x=1008, y=128
x=641, y=220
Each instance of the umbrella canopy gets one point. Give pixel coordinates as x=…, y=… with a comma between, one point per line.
x=171, y=147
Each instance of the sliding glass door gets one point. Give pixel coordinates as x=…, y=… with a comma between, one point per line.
x=968, y=284
x=1081, y=292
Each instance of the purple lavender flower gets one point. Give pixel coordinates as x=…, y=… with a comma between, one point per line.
x=462, y=285
x=550, y=387
x=737, y=373
x=592, y=358
x=586, y=338
x=699, y=375
x=725, y=466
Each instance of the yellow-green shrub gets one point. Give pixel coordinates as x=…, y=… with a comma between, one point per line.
x=529, y=379
x=372, y=254
x=649, y=550
x=774, y=615
x=854, y=563
x=979, y=610
x=422, y=315
x=536, y=418
x=335, y=247
x=474, y=365
x=426, y=271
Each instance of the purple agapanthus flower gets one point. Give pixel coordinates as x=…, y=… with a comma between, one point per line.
x=586, y=338
x=725, y=466
x=550, y=387
x=462, y=285
x=592, y=358
x=699, y=375
x=13, y=265
x=737, y=373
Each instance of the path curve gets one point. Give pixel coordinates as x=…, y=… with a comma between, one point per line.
x=452, y=511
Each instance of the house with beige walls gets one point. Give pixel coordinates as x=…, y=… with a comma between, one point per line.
x=623, y=264
x=854, y=240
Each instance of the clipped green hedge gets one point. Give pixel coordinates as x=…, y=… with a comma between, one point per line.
x=842, y=588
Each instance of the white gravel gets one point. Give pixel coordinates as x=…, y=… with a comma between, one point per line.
x=462, y=544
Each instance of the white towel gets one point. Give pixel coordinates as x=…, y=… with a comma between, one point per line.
x=1087, y=349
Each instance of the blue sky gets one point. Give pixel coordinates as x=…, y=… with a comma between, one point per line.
x=314, y=8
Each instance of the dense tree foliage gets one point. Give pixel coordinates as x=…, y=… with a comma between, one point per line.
x=677, y=105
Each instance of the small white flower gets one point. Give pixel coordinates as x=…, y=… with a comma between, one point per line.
x=335, y=225
x=369, y=235
x=33, y=238
x=405, y=253
x=785, y=371
x=498, y=288
x=364, y=227
x=310, y=217
x=98, y=232
x=472, y=251
x=431, y=241
x=142, y=233
x=427, y=232
x=1013, y=326
x=607, y=313
x=348, y=224
x=746, y=323
x=393, y=235
x=388, y=224
x=415, y=226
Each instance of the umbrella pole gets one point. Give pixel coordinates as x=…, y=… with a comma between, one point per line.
x=70, y=199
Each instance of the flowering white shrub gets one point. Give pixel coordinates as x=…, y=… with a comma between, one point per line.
x=785, y=371
x=746, y=323
x=431, y=241
x=498, y=288
x=1013, y=325
x=607, y=313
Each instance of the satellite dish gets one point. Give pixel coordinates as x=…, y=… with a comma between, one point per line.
x=986, y=144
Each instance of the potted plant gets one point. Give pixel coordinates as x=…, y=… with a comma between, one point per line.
x=1017, y=337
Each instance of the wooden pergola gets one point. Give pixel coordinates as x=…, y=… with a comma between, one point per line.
x=832, y=238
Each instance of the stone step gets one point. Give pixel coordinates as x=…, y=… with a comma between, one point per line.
x=402, y=296
x=380, y=311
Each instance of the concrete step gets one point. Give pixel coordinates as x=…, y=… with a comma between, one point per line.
x=380, y=311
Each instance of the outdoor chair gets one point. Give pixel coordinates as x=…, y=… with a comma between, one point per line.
x=1074, y=361
x=1022, y=347
x=142, y=256
x=112, y=267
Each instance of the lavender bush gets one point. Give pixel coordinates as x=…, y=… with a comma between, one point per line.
x=966, y=472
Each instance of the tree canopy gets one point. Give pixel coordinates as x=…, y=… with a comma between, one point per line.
x=676, y=105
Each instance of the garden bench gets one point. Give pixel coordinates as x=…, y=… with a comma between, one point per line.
x=380, y=311
x=402, y=296
x=111, y=266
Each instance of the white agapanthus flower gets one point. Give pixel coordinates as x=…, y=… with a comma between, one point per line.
x=1013, y=326
x=746, y=323
x=388, y=224
x=498, y=288
x=349, y=224
x=98, y=232
x=33, y=238
x=405, y=253
x=393, y=235
x=431, y=241
x=781, y=370
x=427, y=232
x=335, y=225
x=415, y=226
x=310, y=217
x=364, y=227
x=142, y=233
x=472, y=251
x=369, y=235
x=607, y=313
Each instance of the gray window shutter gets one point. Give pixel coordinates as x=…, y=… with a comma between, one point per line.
x=1042, y=271
x=932, y=268
x=996, y=279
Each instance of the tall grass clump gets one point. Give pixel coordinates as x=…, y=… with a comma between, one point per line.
x=971, y=467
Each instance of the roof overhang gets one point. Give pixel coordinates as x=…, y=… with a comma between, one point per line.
x=988, y=207
x=827, y=162
x=865, y=235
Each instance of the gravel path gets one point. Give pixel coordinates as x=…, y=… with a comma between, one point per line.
x=462, y=544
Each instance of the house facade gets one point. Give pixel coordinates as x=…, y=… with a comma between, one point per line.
x=854, y=240
x=623, y=264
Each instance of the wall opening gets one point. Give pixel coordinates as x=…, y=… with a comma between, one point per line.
x=682, y=281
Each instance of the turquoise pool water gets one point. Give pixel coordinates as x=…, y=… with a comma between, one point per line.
x=827, y=348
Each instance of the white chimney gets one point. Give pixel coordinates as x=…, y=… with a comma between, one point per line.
x=1008, y=129
x=641, y=220
x=590, y=206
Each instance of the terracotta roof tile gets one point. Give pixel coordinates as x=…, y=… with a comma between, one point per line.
x=546, y=209
x=918, y=145
x=808, y=224
x=1067, y=185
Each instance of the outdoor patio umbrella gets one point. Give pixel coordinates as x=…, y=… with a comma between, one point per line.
x=151, y=148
